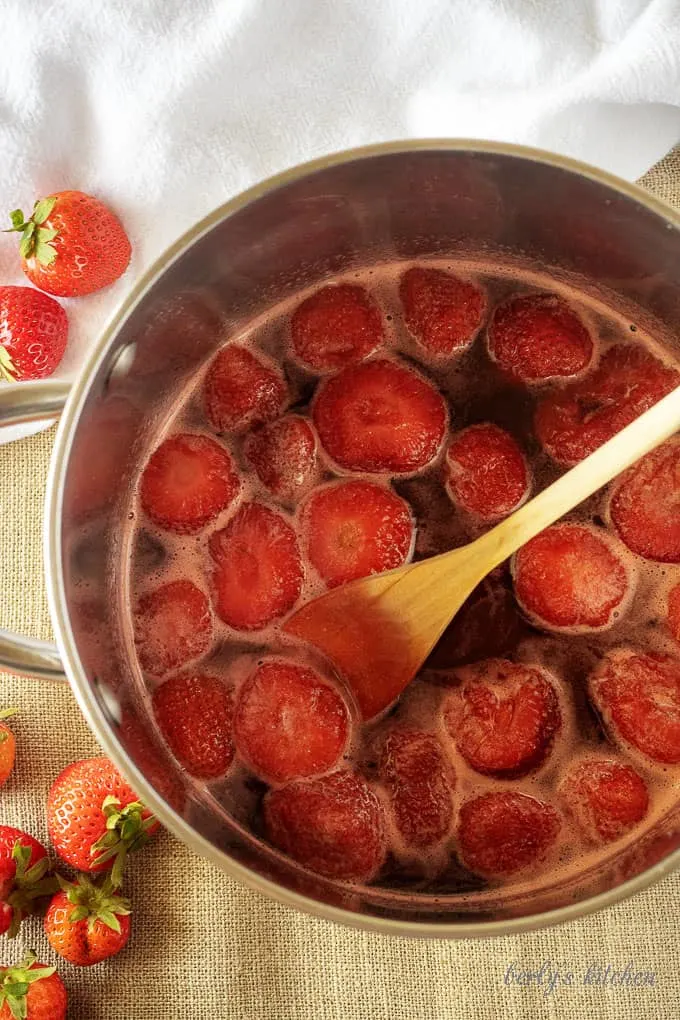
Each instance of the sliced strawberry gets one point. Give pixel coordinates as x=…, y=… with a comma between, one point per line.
x=420, y=784
x=283, y=455
x=674, y=612
x=486, y=473
x=638, y=697
x=571, y=577
x=241, y=389
x=258, y=570
x=173, y=624
x=607, y=799
x=538, y=337
x=572, y=422
x=505, y=832
x=503, y=717
x=645, y=505
x=352, y=529
x=442, y=311
x=487, y=625
x=289, y=722
x=333, y=825
x=379, y=416
x=188, y=481
x=336, y=326
x=194, y=712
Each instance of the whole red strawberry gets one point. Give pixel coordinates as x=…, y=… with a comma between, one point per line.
x=87, y=923
x=24, y=877
x=33, y=333
x=31, y=991
x=8, y=746
x=95, y=819
x=72, y=244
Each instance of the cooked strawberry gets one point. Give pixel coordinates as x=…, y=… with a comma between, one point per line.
x=674, y=612
x=333, y=825
x=538, y=337
x=645, y=505
x=258, y=570
x=33, y=334
x=195, y=714
x=337, y=325
x=241, y=389
x=572, y=422
x=379, y=416
x=72, y=244
x=606, y=798
x=571, y=577
x=24, y=877
x=352, y=529
x=173, y=624
x=504, y=832
x=420, y=784
x=442, y=311
x=283, y=455
x=188, y=481
x=487, y=625
x=33, y=991
x=486, y=473
x=503, y=717
x=8, y=745
x=638, y=698
x=289, y=722
x=87, y=923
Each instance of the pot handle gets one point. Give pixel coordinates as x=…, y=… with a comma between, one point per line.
x=23, y=403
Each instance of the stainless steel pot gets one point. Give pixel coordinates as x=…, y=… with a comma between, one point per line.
x=402, y=200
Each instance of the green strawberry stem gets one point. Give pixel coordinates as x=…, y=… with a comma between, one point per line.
x=15, y=983
x=126, y=831
x=95, y=902
x=30, y=885
x=35, y=238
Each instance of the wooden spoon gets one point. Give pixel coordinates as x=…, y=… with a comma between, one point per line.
x=379, y=630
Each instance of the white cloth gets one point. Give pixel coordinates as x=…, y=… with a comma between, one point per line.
x=165, y=108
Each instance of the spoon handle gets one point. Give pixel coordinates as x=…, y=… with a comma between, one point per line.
x=617, y=454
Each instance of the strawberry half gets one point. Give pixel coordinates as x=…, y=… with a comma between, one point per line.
x=486, y=473
x=188, y=481
x=289, y=722
x=87, y=923
x=336, y=326
x=283, y=455
x=380, y=417
x=605, y=797
x=538, y=337
x=333, y=825
x=258, y=570
x=33, y=334
x=241, y=389
x=502, y=833
x=503, y=717
x=173, y=624
x=352, y=529
x=420, y=785
x=442, y=311
x=645, y=505
x=194, y=712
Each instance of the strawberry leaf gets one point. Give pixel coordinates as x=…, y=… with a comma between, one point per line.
x=27, y=242
x=42, y=209
x=7, y=713
x=45, y=253
x=8, y=370
x=17, y=220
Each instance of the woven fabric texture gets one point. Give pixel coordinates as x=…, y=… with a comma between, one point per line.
x=204, y=947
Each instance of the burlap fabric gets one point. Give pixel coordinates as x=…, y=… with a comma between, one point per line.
x=204, y=947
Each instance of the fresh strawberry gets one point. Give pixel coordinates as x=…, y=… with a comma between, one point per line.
x=87, y=923
x=420, y=784
x=504, y=832
x=503, y=717
x=674, y=612
x=289, y=723
x=95, y=818
x=333, y=825
x=242, y=389
x=538, y=337
x=8, y=746
x=572, y=577
x=72, y=244
x=638, y=698
x=33, y=334
x=258, y=570
x=173, y=624
x=336, y=326
x=605, y=797
x=486, y=473
x=381, y=417
x=188, y=481
x=194, y=712
x=24, y=877
x=283, y=455
x=442, y=311
x=355, y=528
x=487, y=625
x=572, y=422
x=32, y=991
x=645, y=505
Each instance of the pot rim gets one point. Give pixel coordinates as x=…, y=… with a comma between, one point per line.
x=84, y=693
